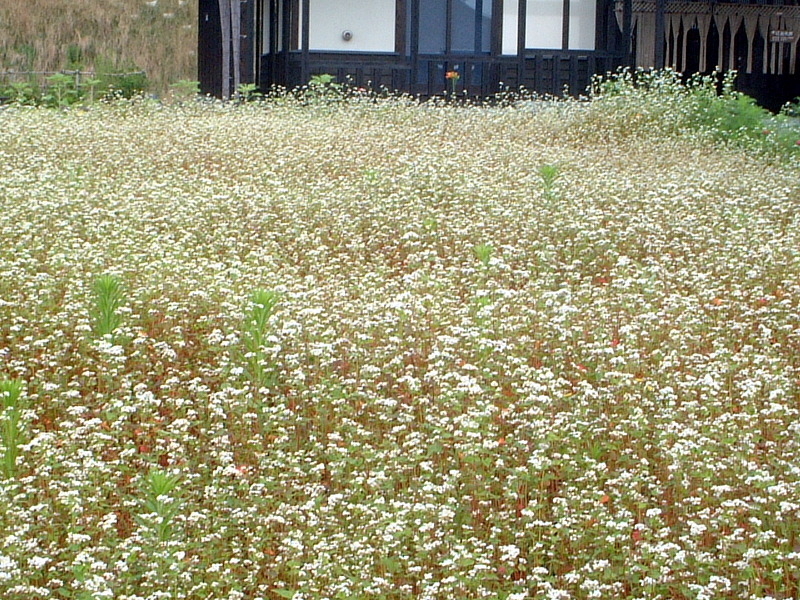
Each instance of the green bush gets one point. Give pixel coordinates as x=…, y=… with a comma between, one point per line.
x=706, y=108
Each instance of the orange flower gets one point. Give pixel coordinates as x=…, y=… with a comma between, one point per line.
x=455, y=75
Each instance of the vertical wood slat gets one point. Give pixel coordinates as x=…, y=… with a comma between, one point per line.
x=305, y=26
x=448, y=17
x=627, y=31
x=225, y=25
x=236, y=39
x=573, y=74
x=414, y=44
x=400, y=13
x=522, y=12
x=497, y=27
x=478, y=26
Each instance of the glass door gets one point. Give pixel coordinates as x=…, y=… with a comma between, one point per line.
x=452, y=35
x=455, y=26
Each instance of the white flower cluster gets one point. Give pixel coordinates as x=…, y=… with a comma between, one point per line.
x=601, y=402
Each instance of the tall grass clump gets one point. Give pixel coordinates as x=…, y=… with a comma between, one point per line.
x=10, y=394
x=109, y=36
x=255, y=338
x=162, y=503
x=108, y=298
x=549, y=175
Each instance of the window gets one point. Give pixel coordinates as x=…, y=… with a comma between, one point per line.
x=545, y=27
x=455, y=26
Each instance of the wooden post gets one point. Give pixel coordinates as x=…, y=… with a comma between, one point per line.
x=305, y=35
x=236, y=39
x=627, y=31
x=522, y=32
x=225, y=24
x=660, y=34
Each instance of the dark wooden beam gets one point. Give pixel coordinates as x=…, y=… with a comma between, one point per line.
x=478, y=25
x=400, y=24
x=225, y=25
x=294, y=25
x=497, y=27
x=627, y=32
x=414, y=42
x=522, y=14
x=660, y=33
x=305, y=38
x=448, y=38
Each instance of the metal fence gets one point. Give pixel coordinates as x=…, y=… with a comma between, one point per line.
x=79, y=77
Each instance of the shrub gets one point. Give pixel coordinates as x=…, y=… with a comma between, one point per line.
x=704, y=107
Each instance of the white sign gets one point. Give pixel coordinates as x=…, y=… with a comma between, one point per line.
x=778, y=35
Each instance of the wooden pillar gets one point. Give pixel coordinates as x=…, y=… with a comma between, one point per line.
x=704, y=26
x=683, y=45
x=627, y=31
x=236, y=39
x=414, y=41
x=675, y=23
x=750, y=25
x=660, y=34
x=225, y=24
x=497, y=27
x=305, y=38
x=400, y=13
x=522, y=14
x=735, y=23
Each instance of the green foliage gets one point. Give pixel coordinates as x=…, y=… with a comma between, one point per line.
x=730, y=115
x=185, y=89
x=792, y=109
x=108, y=298
x=162, y=503
x=255, y=331
x=62, y=90
x=323, y=88
x=248, y=92
x=75, y=58
x=23, y=93
x=549, y=174
x=707, y=108
x=71, y=87
x=483, y=252
x=126, y=85
x=323, y=80
x=10, y=393
x=28, y=52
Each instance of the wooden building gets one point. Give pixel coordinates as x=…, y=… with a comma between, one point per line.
x=547, y=46
x=760, y=40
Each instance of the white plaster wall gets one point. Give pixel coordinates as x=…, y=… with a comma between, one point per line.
x=543, y=26
x=582, y=23
x=510, y=26
x=372, y=23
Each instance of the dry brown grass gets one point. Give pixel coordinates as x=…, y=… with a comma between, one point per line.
x=159, y=37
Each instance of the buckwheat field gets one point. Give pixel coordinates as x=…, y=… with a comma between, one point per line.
x=377, y=349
